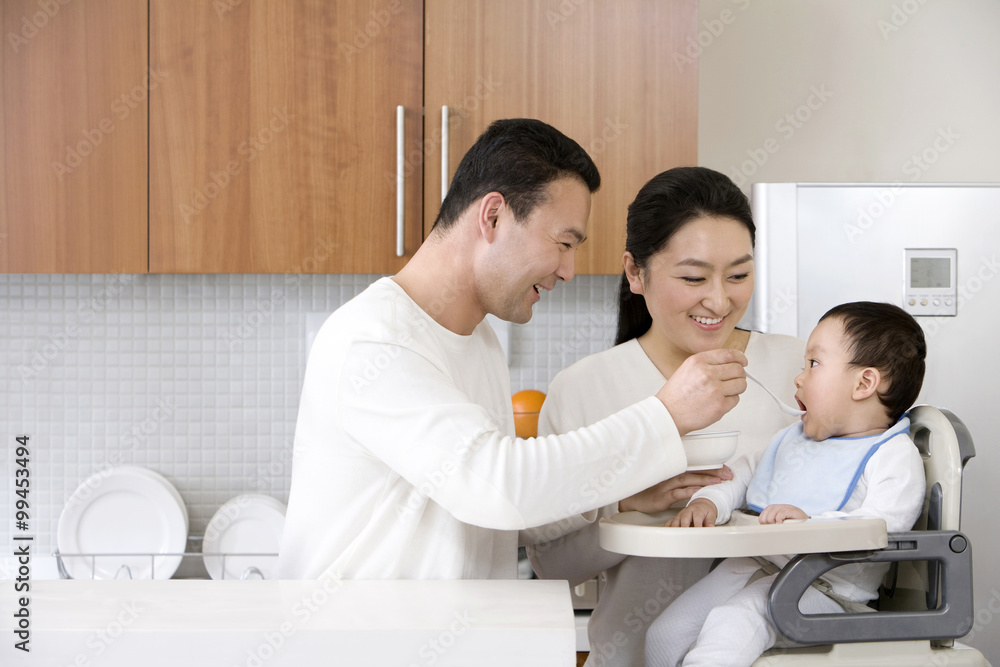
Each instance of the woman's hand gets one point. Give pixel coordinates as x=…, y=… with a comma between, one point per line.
x=700, y=513
x=680, y=487
x=705, y=387
x=781, y=513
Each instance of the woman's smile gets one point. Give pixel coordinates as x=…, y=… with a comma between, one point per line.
x=708, y=323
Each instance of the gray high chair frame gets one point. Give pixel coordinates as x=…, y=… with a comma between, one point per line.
x=936, y=540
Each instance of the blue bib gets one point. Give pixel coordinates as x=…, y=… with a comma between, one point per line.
x=815, y=476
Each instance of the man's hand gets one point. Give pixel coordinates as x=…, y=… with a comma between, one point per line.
x=705, y=387
x=680, y=487
x=781, y=513
x=699, y=513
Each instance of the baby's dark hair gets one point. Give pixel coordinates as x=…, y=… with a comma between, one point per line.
x=885, y=337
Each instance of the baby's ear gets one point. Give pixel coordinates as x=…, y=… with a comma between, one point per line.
x=866, y=383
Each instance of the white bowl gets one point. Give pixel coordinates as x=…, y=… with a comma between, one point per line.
x=709, y=450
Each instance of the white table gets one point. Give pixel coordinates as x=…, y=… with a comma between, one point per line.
x=293, y=623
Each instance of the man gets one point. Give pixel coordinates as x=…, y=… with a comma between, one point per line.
x=405, y=463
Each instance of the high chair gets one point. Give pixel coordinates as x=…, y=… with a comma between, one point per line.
x=926, y=601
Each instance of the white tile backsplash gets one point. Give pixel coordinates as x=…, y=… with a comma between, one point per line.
x=198, y=377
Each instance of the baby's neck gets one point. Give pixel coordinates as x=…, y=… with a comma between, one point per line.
x=862, y=434
x=863, y=426
x=865, y=417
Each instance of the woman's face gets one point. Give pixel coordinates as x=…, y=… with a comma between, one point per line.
x=698, y=286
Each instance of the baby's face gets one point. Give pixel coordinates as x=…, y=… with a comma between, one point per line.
x=825, y=385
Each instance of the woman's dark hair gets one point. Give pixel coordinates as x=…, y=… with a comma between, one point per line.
x=518, y=158
x=886, y=337
x=666, y=203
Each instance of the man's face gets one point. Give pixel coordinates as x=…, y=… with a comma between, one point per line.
x=531, y=255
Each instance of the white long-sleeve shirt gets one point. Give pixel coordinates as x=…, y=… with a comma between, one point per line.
x=405, y=462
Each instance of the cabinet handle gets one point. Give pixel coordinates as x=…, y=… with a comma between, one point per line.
x=444, y=152
x=400, y=179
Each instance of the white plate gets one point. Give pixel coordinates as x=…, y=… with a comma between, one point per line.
x=709, y=450
x=122, y=511
x=247, y=524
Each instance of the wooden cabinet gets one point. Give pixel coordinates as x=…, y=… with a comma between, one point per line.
x=273, y=140
x=604, y=72
x=73, y=91
x=264, y=131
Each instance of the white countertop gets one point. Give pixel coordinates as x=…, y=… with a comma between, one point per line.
x=292, y=623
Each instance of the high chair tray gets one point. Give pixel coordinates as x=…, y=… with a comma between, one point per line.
x=639, y=534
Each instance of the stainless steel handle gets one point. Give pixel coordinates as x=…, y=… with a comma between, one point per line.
x=400, y=179
x=444, y=152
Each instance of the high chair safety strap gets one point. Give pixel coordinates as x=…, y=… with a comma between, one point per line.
x=767, y=568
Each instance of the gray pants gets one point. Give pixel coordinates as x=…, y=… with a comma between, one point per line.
x=722, y=621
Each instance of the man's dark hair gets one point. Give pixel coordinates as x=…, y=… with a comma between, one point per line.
x=885, y=337
x=518, y=158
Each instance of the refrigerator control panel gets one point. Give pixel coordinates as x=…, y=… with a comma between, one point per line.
x=931, y=287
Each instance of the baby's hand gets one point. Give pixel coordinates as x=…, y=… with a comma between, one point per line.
x=699, y=513
x=781, y=513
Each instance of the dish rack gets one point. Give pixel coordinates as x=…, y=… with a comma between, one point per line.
x=124, y=571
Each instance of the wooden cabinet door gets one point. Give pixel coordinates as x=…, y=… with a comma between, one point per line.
x=611, y=74
x=73, y=126
x=273, y=135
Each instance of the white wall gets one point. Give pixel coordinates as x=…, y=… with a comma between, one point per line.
x=861, y=91
x=910, y=90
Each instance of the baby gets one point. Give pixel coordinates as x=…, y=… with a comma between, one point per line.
x=849, y=455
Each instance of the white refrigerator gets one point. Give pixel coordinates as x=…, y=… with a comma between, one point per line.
x=935, y=251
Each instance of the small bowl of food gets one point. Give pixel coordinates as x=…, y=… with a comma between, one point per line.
x=708, y=450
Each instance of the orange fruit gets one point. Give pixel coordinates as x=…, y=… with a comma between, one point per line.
x=527, y=404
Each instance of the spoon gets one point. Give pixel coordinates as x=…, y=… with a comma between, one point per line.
x=787, y=409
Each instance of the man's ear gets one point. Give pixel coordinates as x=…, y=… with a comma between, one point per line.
x=866, y=383
x=632, y=272
x=490, y=207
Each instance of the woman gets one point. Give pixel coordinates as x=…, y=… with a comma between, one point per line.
x=687, y=282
